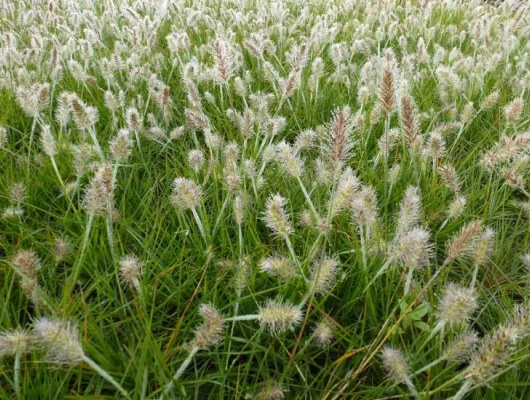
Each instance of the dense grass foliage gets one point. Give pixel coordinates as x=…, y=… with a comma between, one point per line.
x=264, y=199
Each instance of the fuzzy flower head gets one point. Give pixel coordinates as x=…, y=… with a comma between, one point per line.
x=464, y=243
x=48, y=142
x=279, y=266
x=291, y=163
x=60, y=339
x=275, y=217
x=27, y=262
x=185, y=194
x=457, y=304
x=491, y=355
x=62, y=248
x=271, y=391
x=131, y=271
x=364, y=206
x=460, y=348
x=212, y=329
x=276, y=316
x=322, y=333
x=483, y=247
x=395, y=364
x=100, y=192
x=14, y=342
x=410, y=210
x=323, y=275
x=120, y=145
x=196, y=159
x=412, y=249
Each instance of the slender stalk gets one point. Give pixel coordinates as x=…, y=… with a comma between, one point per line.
x=33, y=126
x=110, y=230
x=293, y=256
x=311, y=205
x=17, y=374
x=199, y=223
x=363, y=248
x=249, y=317
x=474, y=278
x=105, y=376
x=428, y=366
x=462, y=391
x=92, y=133
x=180, y=371
x=409, y=280
x=54, y=165
x=411, y=387
x=380, y=272
x=220, y=215
x=79, y=263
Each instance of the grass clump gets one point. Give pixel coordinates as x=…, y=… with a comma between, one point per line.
x=264, y=200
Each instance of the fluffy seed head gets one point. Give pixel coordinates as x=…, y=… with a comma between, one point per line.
x=120, y=146
x=131, y=271
x=239, y=209
x=364, y=206
x=412, y=249
x=395, y=364
x=339, y=142
x=133, y=120
x=277, y=316
x=185, y=194
x=322, y=333
x=521, y=320
x=387, y=93
x=483, y=247
x=464, y=242
x=48, y=143
x=62, y=248
x=276, y=218
x=60, y=339
x=212, y=329
x=347, y=186
x=271, y=391
x=278, y=266
x=27, y=262
x=3, y=137
x=100, y=192
x=17, y=193
x=450, y=178
x=491, y=355
x=457, y=304
x=410, y=210
x=14, y=342
x=291, y=163
x=456, y=208
x=323, y=275
x=196, y=159
x=461, y=347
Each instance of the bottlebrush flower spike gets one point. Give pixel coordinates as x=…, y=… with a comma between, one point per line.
x=131, y=271
x=15, y=341
x=277, y=316
x=185, y=194
x=275, y=217
x=322, y=276
x=60, y=339
x=339, y=141
x=457, y=304
x=464, y=243
x=279, y=266
x=212, y=329
x=410, y=210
